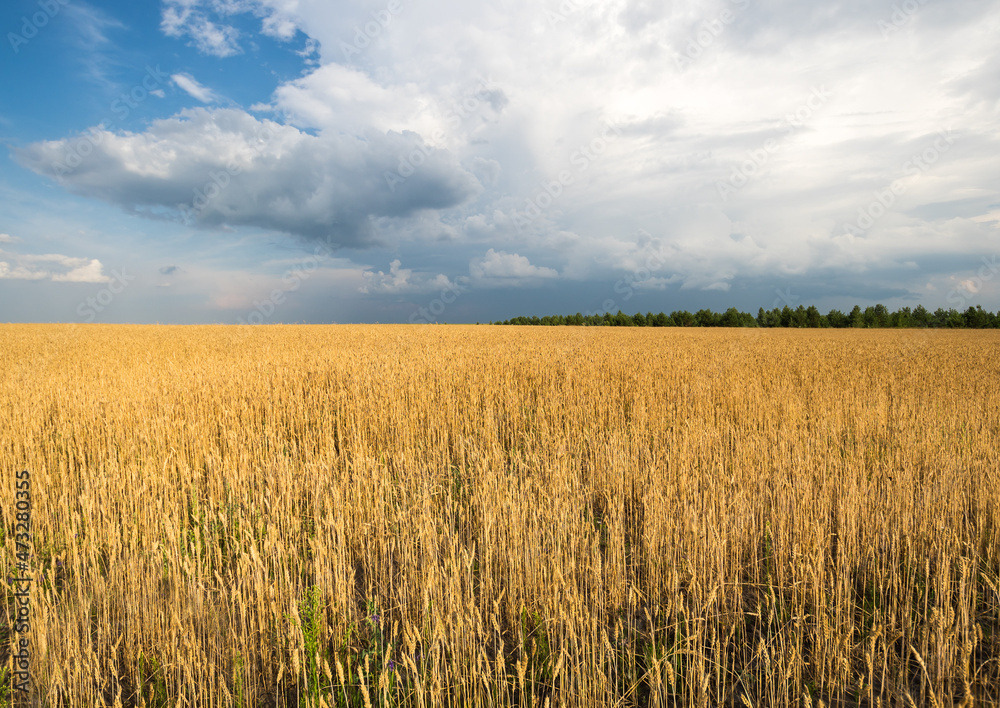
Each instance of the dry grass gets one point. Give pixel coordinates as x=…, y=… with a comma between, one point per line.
x=574, y=517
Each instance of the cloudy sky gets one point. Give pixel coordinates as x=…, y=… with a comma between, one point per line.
x=395, y=160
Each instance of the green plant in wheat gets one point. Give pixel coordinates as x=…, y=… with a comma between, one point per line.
x=239, y=680
x=535, y=646
x=5, y=697
x=150, y=671
x=310, y=610
x=377, y=654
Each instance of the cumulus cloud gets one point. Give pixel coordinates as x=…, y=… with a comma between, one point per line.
x=344, y=98
x=401, y=280
x=223, y=167
x=280, y=26
x=182, y=18
x=82, y=271
x=19, y=272
x=206, y=22
x=698, y=93
x=7, y=238
x=499, y=268
x=52, y=266
x=488, y=171
x=190, y=85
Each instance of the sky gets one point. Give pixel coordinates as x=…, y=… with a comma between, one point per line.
x=261, y=161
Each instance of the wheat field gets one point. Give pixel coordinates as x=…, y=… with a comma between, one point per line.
x=504, y=516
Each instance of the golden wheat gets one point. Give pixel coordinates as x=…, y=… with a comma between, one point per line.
x=495, y=516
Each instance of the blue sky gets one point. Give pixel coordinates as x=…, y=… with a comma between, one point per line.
x=308, y=161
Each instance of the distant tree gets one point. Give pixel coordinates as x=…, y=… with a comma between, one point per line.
x=950, y=318
x=731, y=318
x=682, y=318
x=837, y=319
x=622, y=320
x=880, y=316
x=773, y=318
x=799, y=317
x=873, y=316
x=903, y=317
x=977, y=318
x=706, y=318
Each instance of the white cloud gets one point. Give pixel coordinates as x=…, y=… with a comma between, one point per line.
x=280, y=27
x=223, y=167
x=558, y=72
x=52, y=266
x=683, y=129
x=184, y=18
x=498, y=268
x=190, y=85
x=340, y=98
x=18, y=272
x=401, y=280
x=91, y=272
x=7, y=238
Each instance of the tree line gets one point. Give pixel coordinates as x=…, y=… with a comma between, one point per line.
x=871, y=317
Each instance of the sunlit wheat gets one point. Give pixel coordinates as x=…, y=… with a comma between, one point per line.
x=482, y=516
